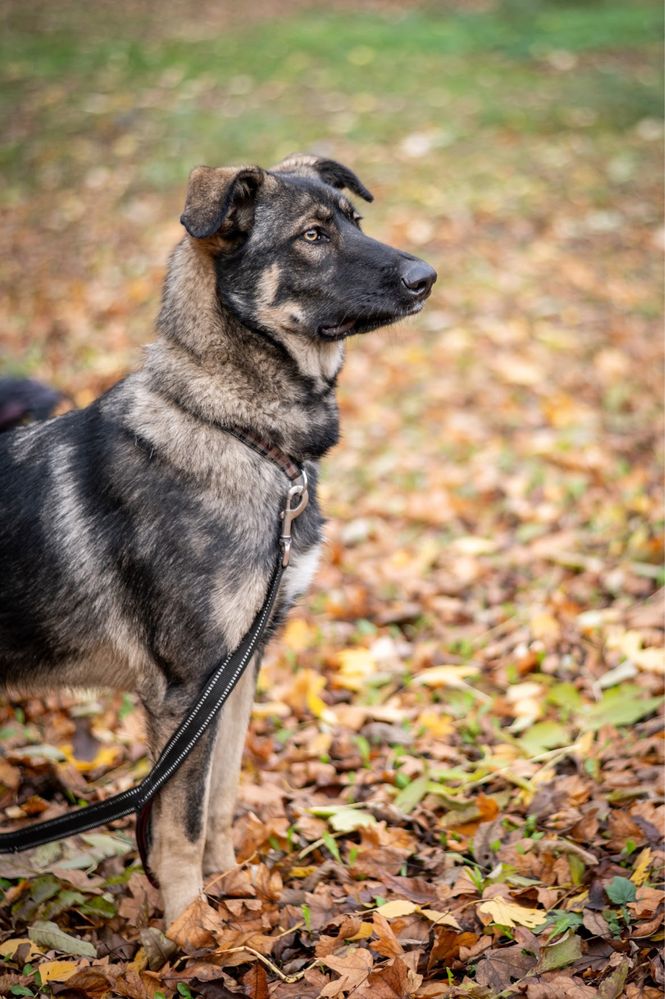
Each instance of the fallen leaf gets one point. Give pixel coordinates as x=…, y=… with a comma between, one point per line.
x=440, y=918
x=509, y=914
x=9, y=947
x=641, y=868
x=196, y=926
x=564, y=951
x=49, y=936
x=353, y=968
x=397, y=908
x=612, y=986
x=57, y=971
x=501, y=966
x=446, y=676
x=386, y=943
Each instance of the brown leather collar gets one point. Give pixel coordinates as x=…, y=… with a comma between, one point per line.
x=266, y=449
x=250, y=438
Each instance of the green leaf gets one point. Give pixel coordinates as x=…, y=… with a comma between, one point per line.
x=544, y=735
x=613, y=985
x=307, y=916
x=99, y=905
x=577, y=869
x=350, y=819
x=621, y=891
x=559, y=954
x=51, y=937
x=332, y=846
x=44, y=887
x=621, y=705
x=560, y=921
x=412, y=794
x=344, y=818
x=565, y=695
x=107, y=846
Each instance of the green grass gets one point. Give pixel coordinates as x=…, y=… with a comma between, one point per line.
x=316, y=77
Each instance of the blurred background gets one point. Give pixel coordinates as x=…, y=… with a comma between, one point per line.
x=495, y=503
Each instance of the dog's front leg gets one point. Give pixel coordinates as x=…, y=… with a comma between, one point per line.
x=226, y=762
x=178, y=818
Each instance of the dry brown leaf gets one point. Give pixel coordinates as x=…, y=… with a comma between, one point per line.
x=395, y=981
x=256, y=981
x=196, y=927
x=386, y=943
x=353, y=968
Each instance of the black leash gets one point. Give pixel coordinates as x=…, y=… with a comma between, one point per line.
x=214, y=693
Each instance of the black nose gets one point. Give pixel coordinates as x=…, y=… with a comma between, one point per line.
x=418, y=277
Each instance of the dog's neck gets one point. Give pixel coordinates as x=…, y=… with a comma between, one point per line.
x=280, y=387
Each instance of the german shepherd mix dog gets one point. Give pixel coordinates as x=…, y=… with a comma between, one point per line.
x=138, y=536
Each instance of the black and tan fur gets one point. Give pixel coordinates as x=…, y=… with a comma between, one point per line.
x=137, y=536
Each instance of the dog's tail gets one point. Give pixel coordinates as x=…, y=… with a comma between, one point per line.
x=23, y=400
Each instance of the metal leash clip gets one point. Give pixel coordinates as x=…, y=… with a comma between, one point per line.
x=296, y=501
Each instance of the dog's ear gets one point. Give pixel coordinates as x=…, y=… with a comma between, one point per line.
x=221, y=197
x=329, y=171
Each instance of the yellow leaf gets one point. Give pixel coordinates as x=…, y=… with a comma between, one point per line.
x=544, y=626
x=436, y=723
x=140, y=962
x=440, y=918
x=57, y=971
x=298, y=635
x=511, y=914
x=9, y=947
x=304, y=692
x=365, y=931
x=106, y=757
x=302, y=872
x=641, y=869
x=650, y=660
x=446, y=676
x=400, y=907
x=354, y=666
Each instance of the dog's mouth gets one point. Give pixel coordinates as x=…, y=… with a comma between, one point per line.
x=365, y=324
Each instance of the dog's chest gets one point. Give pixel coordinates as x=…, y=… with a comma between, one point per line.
x=300, y=573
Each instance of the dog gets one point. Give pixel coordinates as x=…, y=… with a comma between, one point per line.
x=137, y=535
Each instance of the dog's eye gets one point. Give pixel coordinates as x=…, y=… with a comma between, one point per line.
x=314, y=235
x=357, y=218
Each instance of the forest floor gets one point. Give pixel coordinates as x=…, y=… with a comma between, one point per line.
x=453, y=779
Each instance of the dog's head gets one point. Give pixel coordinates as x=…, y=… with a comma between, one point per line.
x=289, y=252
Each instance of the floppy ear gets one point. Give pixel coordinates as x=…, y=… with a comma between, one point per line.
x=220, y=196
x=329, y=171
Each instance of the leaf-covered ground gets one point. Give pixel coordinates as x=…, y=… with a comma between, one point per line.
x=453, y=778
